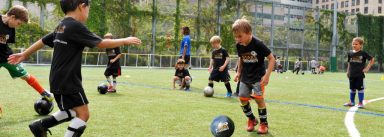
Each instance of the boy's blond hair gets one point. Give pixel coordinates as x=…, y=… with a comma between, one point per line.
x=179, y=61
x=20, y=12
x=242, y=25
x=359, y=39
x=215, y=39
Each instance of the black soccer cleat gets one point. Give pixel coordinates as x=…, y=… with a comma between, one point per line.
x=38, y=130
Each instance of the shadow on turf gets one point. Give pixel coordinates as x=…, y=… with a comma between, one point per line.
x=254, y=134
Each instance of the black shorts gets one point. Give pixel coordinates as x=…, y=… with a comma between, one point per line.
x=65, y=102
x=113, y=71
x=356, y=83
x=186, y=58
x=218, y=76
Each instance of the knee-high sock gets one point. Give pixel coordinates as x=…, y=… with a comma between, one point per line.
x=76, y=128
x=228, y=86
x=361, y=95
x=114, y=83
x=58, y=118
x=109, y=80
x=32, y=81
x=210, y=84
x=248, y=111
x=263, y=115
x=352, y=95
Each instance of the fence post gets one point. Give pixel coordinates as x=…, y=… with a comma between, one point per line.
x=37, y=57
x=160, y=61
x=137, y=56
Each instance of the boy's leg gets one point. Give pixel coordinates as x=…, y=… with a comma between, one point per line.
x=18, y=71
x=114, y=82
x=244, y=96
x=262, y=109
x=78, y=124
x=229, y=90
x=40, y=127
x=360, y=84
x=352, y=93
x=187, y=82
x=210, y=83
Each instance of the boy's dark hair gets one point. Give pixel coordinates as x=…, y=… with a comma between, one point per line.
x=186, y=30
x=71, y=5
x=20, y=12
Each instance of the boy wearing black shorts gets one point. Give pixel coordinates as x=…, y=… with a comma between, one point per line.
x=218, y=66
x=68, y=41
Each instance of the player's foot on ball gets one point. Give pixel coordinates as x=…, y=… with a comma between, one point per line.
x=349, y=104
x=251, y=124
x=48, y=96
x=263, y=128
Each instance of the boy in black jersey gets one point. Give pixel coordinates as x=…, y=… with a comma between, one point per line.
x=113, y=68
x=251, y=68
x=218, y=66
x=14, y=18
x=356, y=69
x=69, y=40
x=181, y=77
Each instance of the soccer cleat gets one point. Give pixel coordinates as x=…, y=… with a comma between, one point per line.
x=360, y=105
x=38, y=130
x=48, y=96
x=229, y=94
x=349, y=104
x=251, y=124
x=235, y=94
x=263, y=128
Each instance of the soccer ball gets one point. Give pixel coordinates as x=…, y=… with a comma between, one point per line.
x=43, y=106
x=208, y=91
x=102, y=88
x=222, y=126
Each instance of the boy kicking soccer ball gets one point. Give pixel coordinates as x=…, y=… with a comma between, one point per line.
x=218, y=67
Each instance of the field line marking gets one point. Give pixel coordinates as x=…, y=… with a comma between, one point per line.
x=349, y=119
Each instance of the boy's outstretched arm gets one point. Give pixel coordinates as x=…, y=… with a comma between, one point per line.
x=113, y=43
x=271, y=64
x=19, y=57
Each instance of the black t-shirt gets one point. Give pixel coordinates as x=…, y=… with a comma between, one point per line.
x=357, y=63
x=112, y=53
x=68, y=41
x=219, y=56
x=7, y=35
x=252, y=58
x=182, y=73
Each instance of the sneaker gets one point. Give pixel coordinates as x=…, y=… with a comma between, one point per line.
x=235, y=94
x=251, y=124
x=360, y=105
x=229, y=94
x=350, y=104
x=48, y=96
x=38, y=130
x=263, y=128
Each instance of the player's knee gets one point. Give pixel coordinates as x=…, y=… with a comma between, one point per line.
x=187, y=78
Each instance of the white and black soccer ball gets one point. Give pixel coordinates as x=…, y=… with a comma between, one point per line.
x=208, y=91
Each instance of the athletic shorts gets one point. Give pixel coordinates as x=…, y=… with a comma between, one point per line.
x=218, y=76
x=186, y=58
x=69, y=101
x=113, y=71
x=15, y=71
x=248, y=91
x=356, y=83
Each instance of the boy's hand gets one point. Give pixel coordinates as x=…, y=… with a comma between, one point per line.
x=237, y=76
x=210, y=69
x=132, y=40
x=112, y=60
x=16, y=58
x=265, y=80
x=221, y=69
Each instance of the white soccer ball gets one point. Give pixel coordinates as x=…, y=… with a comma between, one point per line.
x=208, y=91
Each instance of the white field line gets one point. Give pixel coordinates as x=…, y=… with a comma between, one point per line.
x=349, y=119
